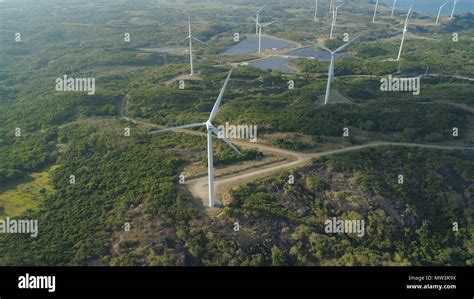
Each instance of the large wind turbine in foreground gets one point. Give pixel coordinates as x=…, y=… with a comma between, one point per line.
x=210, y=129
x=190, y=38
x=331, y=66
x=439, y=12
x=404, y=32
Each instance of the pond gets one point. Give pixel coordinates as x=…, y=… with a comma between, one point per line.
x=274, y=63
x=250, y=45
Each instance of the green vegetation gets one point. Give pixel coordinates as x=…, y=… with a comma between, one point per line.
x=26, y=195
x=406, y=224
x=135, y=179
x=75, y=223
x=27, y=153
x=224, y=155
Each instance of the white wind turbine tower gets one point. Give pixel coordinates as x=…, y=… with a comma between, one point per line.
x=190, y=38
x=452, y=12
x=316, y=11
x=210, y=130
x=439, y=12
x=404, y=32
x=260, y=26
x=257, y=19
x=393, y=7
x=375, y=11
x=331, y=67
x=334, y=19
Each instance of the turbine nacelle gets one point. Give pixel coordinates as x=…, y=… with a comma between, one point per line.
x=209, y=125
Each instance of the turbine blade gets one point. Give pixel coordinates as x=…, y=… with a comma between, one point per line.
x=324, y=48
x=215, y=131
x=260, y=9
x=230, y=144
x=179, y=127
x=408, y=15
x=215, y=109
x=199, y=40
x=345, y=45
x=267, y=24
x=189, y=25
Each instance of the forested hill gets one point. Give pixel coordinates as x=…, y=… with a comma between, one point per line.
x=406, y=224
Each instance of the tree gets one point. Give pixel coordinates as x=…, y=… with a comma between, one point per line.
x=278, y=258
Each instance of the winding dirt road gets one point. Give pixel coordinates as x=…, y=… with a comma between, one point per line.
x=198, y=187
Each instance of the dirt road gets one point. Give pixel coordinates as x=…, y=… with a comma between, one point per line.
x=122, y=105
x=198, y=187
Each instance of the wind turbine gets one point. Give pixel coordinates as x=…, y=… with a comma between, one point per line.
x=257, y=19
x=452, y=12
x=404, y=32
x=210, y=129
x=260, y=26
x=331, y=66
x=316, y=11
x=190, y=38
x=334, y=18
x=393, y=7
x=375, y=11
x=439, y=11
